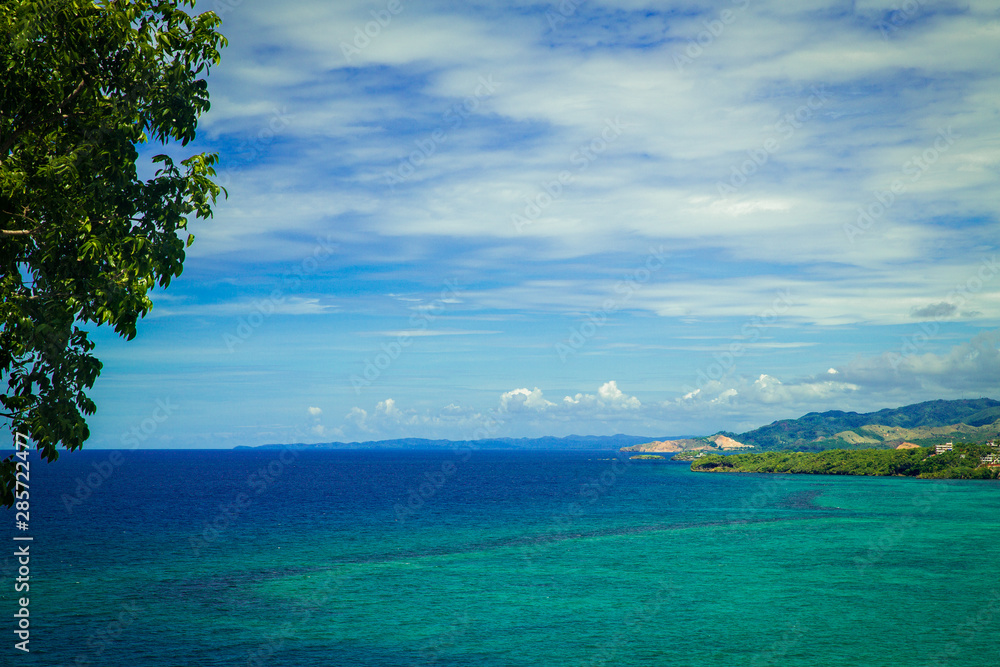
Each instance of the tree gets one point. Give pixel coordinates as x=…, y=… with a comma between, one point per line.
x=83, y=240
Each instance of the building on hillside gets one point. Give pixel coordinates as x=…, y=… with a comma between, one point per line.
x=990, y=460
x=941, y=449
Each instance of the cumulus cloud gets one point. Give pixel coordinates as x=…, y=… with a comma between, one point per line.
x=315, y=412
x=905, y=375
x=486, y=108
x=515, y=410
x=608, y=397
x=520, y=400
x=733, y=402
x=768, y=390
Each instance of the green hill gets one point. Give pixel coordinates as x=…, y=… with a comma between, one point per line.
x=963, y=462
x=922, y=423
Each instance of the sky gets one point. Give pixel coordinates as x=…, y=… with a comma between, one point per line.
x=514, y=219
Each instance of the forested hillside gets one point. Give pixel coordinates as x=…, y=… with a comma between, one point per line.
x=963, y=462
x=921, y=423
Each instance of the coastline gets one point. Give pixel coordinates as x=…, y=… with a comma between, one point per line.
x=964, y=461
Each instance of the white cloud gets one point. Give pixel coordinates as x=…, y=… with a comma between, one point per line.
x=387, y=408
x=523, y=400
x=767, y=390
x=315, y=412
x=971, y=366
x=307, y=139
x=608, y=397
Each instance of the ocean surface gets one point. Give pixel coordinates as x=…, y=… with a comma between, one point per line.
x=493, y=558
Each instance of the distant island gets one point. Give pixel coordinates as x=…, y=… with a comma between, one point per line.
x=957, y=461
x=925, y=424
x=922, y=424
x=550, y=443
x=919, y=425
x=913, y=441
x=714, y=443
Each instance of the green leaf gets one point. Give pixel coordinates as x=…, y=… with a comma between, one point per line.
x=81, y=84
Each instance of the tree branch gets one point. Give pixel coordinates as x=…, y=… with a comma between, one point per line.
x=6, y=146
x=76, y=91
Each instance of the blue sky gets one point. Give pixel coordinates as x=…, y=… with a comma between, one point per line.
x=468, y=219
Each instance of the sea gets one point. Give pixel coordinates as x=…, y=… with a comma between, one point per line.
x=470, y=557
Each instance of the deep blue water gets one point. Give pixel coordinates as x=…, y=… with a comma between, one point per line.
x=492, y=558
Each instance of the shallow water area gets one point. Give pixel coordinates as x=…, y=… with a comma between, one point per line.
x=511, y=558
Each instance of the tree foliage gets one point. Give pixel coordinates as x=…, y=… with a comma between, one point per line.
x=83, y=239
x=963, y=462
x=817, y=431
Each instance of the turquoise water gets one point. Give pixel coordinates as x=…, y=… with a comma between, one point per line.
x=501, y=558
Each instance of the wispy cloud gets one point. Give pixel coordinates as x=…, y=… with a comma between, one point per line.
x=844, y=154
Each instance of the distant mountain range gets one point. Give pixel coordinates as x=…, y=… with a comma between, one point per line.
x=921, y=423
x=609, y=442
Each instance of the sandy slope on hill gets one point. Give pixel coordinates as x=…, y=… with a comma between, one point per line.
x=688, y=445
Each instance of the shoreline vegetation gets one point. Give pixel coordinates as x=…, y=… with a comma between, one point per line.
x=964, y=461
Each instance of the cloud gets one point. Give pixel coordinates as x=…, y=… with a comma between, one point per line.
x=608, y=397
x=892, y=378
x=767, y=390
x=733, y=402
x=971, y=366
x=935, y=310
x=515, y=411
x=315, y=412
x=801, y=151
x=522, y=400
